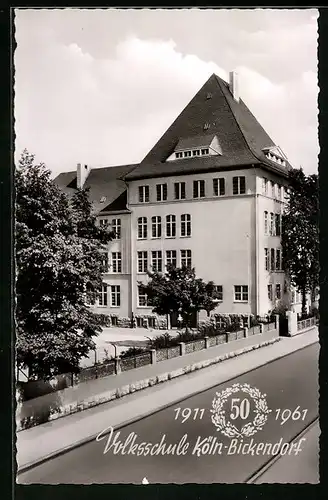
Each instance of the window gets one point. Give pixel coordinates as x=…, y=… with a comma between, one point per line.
x=272, y=259
x=156, y=226
x=273, y=190
x=103, y=297
x=142, y=297
x=266, y=259
x=143, y=194
x=199, y=189
x=116, y=227
x=103, y=222
x=171, y=258
x=196, y=152
x=278, y=291
x=219, y=187
x=278, y=224
x=156, y=260
x=265, y=222
x=142, y=262
x=278, y=259
x=270, y=292
x=265, y=186
x=219, y=292
x=116, y=262
x=185, y=229
x=186, y=154
x=279, y=192
x=179, y=190
x=241, y=293
x=178, y=155
x=115, y=295
x=205, y=151
x=104, y=262
x=142, y=228
x=293, y=297
x=170, y=226
x=161, y=192
x=272, y=224
x=238, y=185
x=186, y=258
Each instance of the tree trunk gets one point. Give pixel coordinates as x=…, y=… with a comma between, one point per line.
x=303, y=301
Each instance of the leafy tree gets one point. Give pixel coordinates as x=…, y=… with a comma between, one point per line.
x=58, y=265
x=178, y=290
x=300, y=233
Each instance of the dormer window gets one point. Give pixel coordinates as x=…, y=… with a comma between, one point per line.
x=178, y=155
x=205, y=151
x=196, y=152
x=186, y=154
x=196, y=146
x=275, y=154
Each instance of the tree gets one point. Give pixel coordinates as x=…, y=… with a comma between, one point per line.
x=300, y=233
x=59, y=266
x=178, y=290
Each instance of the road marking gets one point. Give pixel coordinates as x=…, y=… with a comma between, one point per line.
x=261, y=470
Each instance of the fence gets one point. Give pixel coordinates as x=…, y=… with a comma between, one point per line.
x=195, y=345
x=135, y=361
x=167, y=353
x=95, y=371
x=305, y=323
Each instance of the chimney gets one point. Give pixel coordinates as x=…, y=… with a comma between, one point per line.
x=233, y=85
x=82, y=172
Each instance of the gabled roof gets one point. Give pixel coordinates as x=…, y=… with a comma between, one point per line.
x=105, y=184
x=240, y=135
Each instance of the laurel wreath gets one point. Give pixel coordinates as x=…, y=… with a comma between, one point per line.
x=227, y=428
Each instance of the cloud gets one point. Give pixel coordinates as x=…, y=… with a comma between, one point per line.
x=71, y=106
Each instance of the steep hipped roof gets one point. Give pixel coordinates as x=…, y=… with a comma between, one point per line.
x=105, y=184
x=240, y=135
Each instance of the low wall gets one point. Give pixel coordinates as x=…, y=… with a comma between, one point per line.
x=91, y=393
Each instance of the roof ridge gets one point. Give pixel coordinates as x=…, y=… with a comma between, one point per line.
x=235, y=118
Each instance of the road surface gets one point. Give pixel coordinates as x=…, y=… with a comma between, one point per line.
x=289, y=382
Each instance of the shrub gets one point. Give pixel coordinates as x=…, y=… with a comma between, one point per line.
x=132, y=351
x=164, y=340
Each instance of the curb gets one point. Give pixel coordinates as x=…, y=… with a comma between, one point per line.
x=124, y=390
x=127, y=422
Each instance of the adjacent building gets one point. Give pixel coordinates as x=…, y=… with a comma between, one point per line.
x=210, y=194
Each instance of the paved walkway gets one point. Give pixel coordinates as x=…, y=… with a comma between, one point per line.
x=54, y=437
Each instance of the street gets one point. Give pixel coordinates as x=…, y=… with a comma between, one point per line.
x=288, y=383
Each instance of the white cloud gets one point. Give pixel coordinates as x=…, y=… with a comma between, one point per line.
x=72, y=107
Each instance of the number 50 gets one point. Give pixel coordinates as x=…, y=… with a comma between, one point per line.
x=239, y=409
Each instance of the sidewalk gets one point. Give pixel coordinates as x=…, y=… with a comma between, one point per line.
x=303, y=468
x=62, y=434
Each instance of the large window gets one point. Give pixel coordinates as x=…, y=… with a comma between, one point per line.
x=170, y=226
x=278, y=224
x=142, y=297
x=180, y=190
x=199, y=189
x=156, y=260
x=219, y=292
x=143, y=194
x=265, y=222
x=241, y=293
x=116, y=228
x=171, y=258
x=142, y=228
x=272, y=228
x=270, y=292
x=161, y=192
x=103, y=295
x=273, y=262
x=278, y=291
x=185, y=228
x=142, y=262
x=219, y=186
x=265, y=186
x=266, y=259
x=104, y=262
x=278, y=259
x=115, y=295
x=186, y=258
x=116, y=262
x=103, y=222
x=239, y=185
x=156, y=226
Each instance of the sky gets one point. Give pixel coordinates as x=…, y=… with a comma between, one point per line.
x=101, y=86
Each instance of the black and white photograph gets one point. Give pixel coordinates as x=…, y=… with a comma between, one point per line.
x=166, y=246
